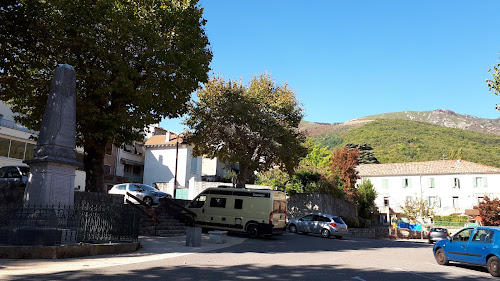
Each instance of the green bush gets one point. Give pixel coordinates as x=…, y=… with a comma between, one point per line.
x=352, y=222
x=450, y=218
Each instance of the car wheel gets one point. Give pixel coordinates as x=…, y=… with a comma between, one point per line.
x=292, y=228
x=441, y=257
x=325, y=233
x=252, y=231
x=148, y=201
x=338, y=237
x=494, y=266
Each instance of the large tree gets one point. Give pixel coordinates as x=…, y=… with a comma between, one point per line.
x=136, y=62
x=255, y=126
x=343, y=171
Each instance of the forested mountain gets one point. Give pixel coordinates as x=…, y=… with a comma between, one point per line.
x=403, y=140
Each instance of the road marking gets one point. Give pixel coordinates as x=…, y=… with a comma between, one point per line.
x=358, y=278
x=416, y=274
x=455, y=269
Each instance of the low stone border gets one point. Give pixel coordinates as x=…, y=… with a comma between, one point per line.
x=66, y=251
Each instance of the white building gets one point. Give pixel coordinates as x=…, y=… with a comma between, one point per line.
x=168, y=157
x=451, y=185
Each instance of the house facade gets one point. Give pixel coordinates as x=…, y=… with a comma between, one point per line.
x=450, y=185
x=215, y=170
x=169, y=157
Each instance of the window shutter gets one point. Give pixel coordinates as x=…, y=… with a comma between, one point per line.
x=385, y=183
x=428, y=199
x=432, y=182
x=404, y=183
x=409, y=183
x=474, y=182
x=438, y=200
x=485, y=182
x=452, y=182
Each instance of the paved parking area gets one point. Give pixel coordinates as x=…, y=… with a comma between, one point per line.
x=289, y=257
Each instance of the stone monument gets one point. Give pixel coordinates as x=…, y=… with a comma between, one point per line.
x=54, y=163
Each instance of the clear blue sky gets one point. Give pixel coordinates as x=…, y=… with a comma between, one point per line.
x=349, y=59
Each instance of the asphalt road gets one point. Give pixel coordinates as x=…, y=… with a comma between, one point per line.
x=290, y=257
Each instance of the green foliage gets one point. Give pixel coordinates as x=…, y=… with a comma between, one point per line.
x=352, y=222
x=450, y=218
x=318, y=156
x=494, y=84
x=366, y=200
x=255, y=126
x=397, y=141
x=136, y=63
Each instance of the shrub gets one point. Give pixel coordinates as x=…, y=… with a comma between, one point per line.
x=352, y=222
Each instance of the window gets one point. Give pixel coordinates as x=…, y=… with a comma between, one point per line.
x=406, y=183
x=30, y=150
x=17, y=149
x=455, y=201
x=107, y=169
x=198, y=202
x=218, y=202
x=434, y=201
x=307, y=218
x=431, y=183
x=238, y=204
x=385, y=183
x=456, y=183
x=3, y=172
x=194, y=165
x=122, y=187
x=483, y=236
x=386, y=201
x=463, y=236
x=4, y=147
x=480, y=182
x=109, y=149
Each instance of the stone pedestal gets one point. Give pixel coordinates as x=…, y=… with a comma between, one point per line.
x=50, y=183
x=193, y=236
x=217, y=236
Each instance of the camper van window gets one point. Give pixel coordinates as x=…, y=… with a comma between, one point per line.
x=238, y=203
x=198, y=202
x=283, y=206
x=218, y=202
x=279, y=206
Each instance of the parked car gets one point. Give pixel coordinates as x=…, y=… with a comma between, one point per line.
x=437, y=233
x=478, y=245
x=146, y=193
x=323, y=224
x=14, y=176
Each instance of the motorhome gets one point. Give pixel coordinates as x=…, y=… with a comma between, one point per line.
x=254, y=211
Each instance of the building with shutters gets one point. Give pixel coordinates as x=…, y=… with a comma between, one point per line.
x=451, y=185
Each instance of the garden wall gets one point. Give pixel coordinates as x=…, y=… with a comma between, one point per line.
x=302, y=204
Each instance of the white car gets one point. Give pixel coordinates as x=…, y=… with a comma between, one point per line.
x=146, y=193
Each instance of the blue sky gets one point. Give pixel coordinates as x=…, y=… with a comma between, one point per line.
x=349, y=59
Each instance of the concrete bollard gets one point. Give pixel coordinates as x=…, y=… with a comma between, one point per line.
x=193, y=236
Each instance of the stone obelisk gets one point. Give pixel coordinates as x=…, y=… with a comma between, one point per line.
x=54, y=163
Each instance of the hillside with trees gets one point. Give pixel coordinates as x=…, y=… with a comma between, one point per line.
x=398, y=140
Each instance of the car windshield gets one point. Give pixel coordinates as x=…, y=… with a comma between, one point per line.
x=147, y=187
x=438, y=230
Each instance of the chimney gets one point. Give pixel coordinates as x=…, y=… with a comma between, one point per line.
x=167, y=139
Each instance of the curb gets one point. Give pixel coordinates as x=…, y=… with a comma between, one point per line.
x=66, y=251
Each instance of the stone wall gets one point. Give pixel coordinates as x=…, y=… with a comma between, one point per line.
x=302, y=204
x=374, y=232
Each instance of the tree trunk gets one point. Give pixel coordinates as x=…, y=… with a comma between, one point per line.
x=242, y=176
x=93, y=160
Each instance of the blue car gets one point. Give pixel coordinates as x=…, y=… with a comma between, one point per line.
x=478, y=245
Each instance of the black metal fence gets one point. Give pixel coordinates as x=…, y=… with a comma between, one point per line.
x=53, y=225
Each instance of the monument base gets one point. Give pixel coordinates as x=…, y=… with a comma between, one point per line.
x=50, y=183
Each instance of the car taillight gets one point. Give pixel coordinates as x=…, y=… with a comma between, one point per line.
x=333, y=225
x=446, y=234
x=271, y=218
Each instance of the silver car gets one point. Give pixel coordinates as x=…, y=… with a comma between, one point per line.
x=323, y=224
x=148, y=194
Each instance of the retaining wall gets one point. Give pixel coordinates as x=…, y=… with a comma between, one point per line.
x=302, y=204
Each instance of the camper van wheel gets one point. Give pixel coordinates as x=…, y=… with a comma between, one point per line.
x=252, y=231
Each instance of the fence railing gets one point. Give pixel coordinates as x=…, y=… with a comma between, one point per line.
x=52, y=225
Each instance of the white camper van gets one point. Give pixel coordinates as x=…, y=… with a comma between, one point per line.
x=254, y=211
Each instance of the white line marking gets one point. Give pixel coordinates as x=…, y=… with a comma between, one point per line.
x=416, y=274
x=358, y=278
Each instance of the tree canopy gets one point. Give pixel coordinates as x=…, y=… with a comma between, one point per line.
x=343, y=171
x=255, y=125
x=494, y=83
x=136, y=62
